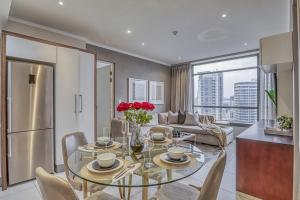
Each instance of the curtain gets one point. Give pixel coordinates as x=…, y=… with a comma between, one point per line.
x=267, y=108
x=181, y=88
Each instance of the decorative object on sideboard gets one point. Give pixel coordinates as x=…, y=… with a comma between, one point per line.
x=137, y=115
x=283, y=126
x=137, y=90
x=272, y=96
x=176, y=133
x=156, y=92
x=285, y=122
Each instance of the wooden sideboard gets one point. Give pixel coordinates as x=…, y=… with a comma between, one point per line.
x=264, y=165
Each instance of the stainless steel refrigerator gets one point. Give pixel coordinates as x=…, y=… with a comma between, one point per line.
x=30, y=120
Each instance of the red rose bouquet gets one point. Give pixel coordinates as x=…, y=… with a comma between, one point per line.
x=136, y=112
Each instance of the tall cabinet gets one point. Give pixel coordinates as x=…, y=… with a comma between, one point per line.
x=74, y=95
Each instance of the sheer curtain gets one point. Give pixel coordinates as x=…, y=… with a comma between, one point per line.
x=181, y=88
x=267, y=108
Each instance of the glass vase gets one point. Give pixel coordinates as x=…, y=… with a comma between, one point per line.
x=136, y=142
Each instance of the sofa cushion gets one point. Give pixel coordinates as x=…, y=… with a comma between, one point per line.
x=172, y=117
x=181, y=117
x=154, y=120
x=163, y=118
x=191, y=119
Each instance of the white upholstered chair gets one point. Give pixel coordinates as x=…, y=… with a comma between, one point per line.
x=54, y=188
x=208, y=191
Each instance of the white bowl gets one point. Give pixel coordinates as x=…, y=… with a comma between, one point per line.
x=157, y=136
x=103, y=140
x=176, y=153
x=106, y=159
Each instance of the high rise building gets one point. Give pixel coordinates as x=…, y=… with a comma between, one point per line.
x=210, y=93
x=245, y=95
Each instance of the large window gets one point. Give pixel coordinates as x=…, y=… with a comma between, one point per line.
x=227, y=89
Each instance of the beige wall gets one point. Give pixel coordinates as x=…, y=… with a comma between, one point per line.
x=284, y=91
x=43, y=34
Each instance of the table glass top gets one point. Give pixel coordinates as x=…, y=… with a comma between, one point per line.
x=159, y=172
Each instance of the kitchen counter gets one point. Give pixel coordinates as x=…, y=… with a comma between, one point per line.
x=264, y=165
x=256, y=132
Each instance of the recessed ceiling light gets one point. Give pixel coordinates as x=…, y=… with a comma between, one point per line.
x=245, y=44
x=143, y=43
x=61, y=3
x=129, y=31
x=224, y=15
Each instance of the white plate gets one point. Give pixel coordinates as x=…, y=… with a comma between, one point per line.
x=87, y=149
x=163, y=157
x=91, y=169
x=103, y=146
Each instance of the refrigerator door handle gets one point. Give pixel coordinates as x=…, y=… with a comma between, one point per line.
x=9, y=104
x=80, y=97
x=9, y=113
x=9, y=146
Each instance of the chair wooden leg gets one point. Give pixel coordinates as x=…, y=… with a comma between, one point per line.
x=145, y=189
x=120, y=190
x=84, y=189
x=129, y=188
x=123, y=188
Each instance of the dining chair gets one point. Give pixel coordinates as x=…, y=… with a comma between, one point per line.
x=208, y=191
x=70, y=143
x=53, y=187
x=116, y=126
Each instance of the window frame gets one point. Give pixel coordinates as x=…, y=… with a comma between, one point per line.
x=220, y=59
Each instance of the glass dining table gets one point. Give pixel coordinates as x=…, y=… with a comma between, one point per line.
x=142, y=175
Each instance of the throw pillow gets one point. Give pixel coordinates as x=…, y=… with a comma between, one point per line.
x=206, y=119
x=163, y=118
x=154, y=120
x=191, y=119
x=181, y=117
x=172, y=117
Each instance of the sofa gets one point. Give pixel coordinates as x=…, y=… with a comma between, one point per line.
x=191, y=124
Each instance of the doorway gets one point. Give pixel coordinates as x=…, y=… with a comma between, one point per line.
x=105, y=95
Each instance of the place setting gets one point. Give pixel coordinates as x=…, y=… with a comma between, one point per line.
x=158, y=138
x=107, y=167
x=103, y=143
x=175, y=156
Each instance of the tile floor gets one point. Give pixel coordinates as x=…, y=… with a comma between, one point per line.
x=30, y=190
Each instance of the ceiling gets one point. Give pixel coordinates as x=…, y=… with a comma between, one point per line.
x=202, y=32
x=4, y=12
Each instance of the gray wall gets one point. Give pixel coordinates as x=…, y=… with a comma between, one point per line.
x=128, y=66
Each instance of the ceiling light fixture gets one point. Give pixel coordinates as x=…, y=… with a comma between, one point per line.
x=224, y=15
x=129, y=31
x=143, y=44
x=245, y=44
x=60, y=2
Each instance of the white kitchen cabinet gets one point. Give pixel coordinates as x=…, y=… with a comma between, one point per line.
x=87, y=95
x=66, y=96
x=74, y=96
x=276, y=52
x=28, y=49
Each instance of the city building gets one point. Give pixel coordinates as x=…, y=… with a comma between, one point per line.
x=245, y=95
x=210, y=93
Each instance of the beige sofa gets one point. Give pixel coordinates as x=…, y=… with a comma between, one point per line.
x=202, y=136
